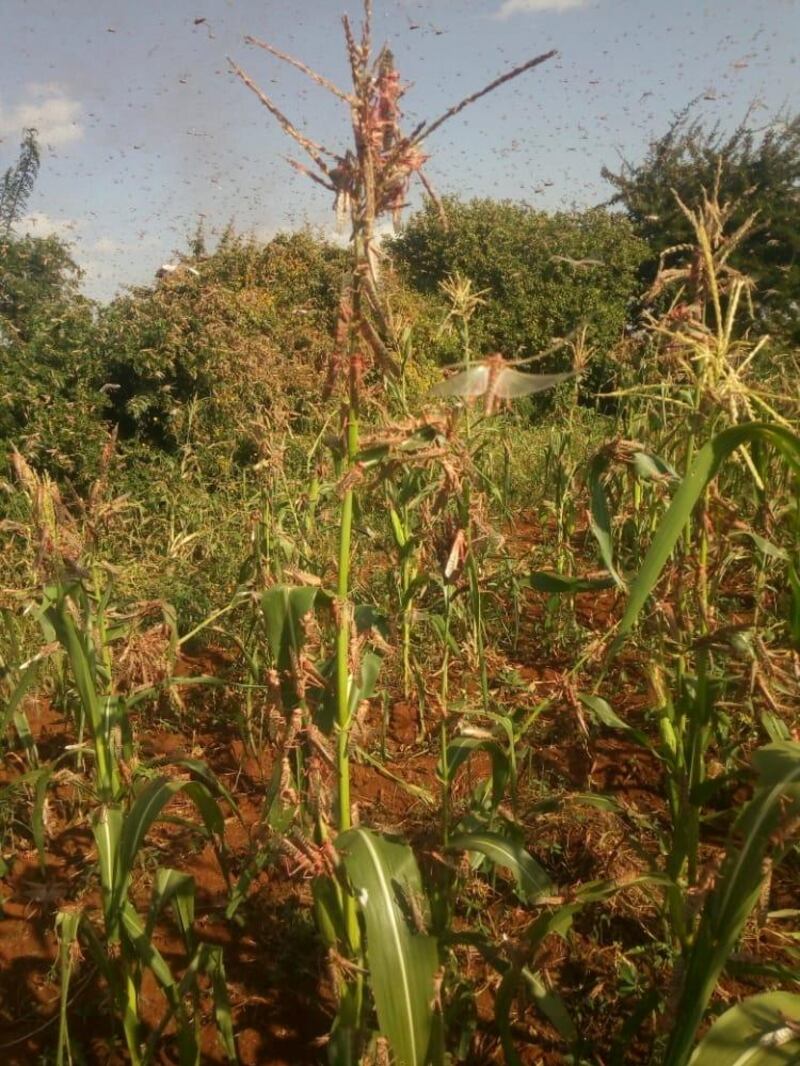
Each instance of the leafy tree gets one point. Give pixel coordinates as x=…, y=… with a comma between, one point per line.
x=18, y=182
x=50, y=406
x=213, y=356
x=759, y=170
x=541, y=275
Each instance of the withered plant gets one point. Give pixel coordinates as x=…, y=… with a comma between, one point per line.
x=368, y=180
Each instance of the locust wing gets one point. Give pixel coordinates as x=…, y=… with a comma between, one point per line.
x=471, y=382
x=510, y=384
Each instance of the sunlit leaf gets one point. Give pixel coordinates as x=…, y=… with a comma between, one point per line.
x=705, y=467
x=531, y=879
x=763, y=1030
x=402, y=961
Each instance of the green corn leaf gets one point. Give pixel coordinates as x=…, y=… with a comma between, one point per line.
x=144, y=811
x=88, y=681
x=402, y=962
x=605, y=714
x=18, y=693
x=284, y=609
x=23, y=728
x=531, y=879
x=366, y=618
x=328, y=910
x=600, y=517
x=362, y=686
x=107, y=829
x=400, y=535
x=503, y=1002
x=205, y=774
x=754, y=1032
x=778, y=762
x=737, y=890
x=551, y=1005
x=440, y=628
x=559, y=920
x=562, y=584
x=650, y=467
x=344, y=1042
x=459, y=750
x=215, y=968
x=769, y=549
x=80, y=658
x=67, y=928
x=708, y=461
x=150, y=956
x=176, y=888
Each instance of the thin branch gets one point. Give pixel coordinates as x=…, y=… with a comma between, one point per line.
x=366, y=31
x=303, y=169
x=375, y=302
x=320, y=79
x=311, y=147
x=353, y=53
x=379, y=349
x=434, y=196
x=425, y=129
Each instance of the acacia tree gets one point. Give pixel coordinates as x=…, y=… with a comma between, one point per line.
x=758, y=172
x=18, y=182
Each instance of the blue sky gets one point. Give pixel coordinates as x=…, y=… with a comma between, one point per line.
x=145, y=129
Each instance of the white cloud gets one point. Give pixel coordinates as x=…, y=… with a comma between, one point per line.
x=105, y=260
x=48, y=109
x=519, y=7
x=341, y=235
x=40, y=224
x=107, y=246
x=102, y=258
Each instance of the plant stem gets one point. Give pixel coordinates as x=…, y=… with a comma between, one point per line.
x=343, y=665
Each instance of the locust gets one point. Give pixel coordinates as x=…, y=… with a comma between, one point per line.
x=496, y=380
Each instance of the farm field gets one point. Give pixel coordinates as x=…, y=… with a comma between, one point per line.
x=400, y=636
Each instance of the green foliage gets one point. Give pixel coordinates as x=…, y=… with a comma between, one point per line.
x=222, y=358
x=761, y=1031
x=402, y=960
x=736, y=891
x=519, y=259
x=758, y=168
x=219, y=517
x=705, y=467
x=50, y=403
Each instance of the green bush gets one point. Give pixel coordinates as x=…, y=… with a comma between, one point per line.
x=528, y=264
x=208, y=364
x=51, y=406
x=757, y=170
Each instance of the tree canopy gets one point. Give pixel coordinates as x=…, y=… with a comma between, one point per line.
x=758, y=170
x=49, y=402
x=18, y=182
x=541, y=274
x=219, y=353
